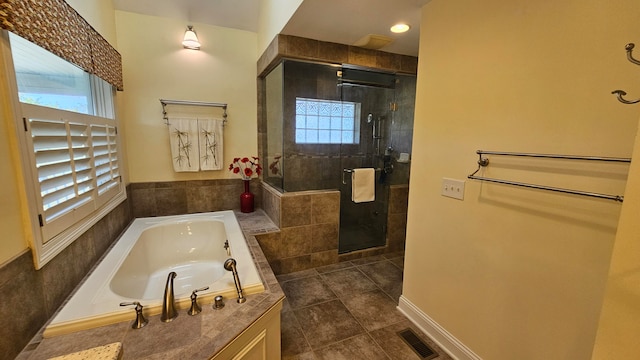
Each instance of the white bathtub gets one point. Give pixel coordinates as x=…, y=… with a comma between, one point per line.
x=136, y=269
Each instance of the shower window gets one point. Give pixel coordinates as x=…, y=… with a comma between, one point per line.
x=327, y=122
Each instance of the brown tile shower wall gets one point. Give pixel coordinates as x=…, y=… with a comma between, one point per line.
x=397, y=217
x=294, y=47
x=309, y=223
x=303, y=244
x=271, y=203
x=309, y=231
x=30, y=297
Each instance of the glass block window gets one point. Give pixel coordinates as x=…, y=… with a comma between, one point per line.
x=327, y=122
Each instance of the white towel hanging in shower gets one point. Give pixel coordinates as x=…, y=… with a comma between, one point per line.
x=363, y=185
x=183, y=137
x=210, y=140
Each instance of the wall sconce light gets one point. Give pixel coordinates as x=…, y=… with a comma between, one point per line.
x=191, y=39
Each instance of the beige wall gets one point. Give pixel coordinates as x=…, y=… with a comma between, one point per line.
x=14, y=240
x=15, y=233
x=100, y=14
x=514, y=273
x=620, y=318
x=273, y=16
x=157, y=66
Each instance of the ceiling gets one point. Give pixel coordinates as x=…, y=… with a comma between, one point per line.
x=340, y=21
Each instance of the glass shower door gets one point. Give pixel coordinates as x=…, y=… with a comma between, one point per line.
x=364, y=225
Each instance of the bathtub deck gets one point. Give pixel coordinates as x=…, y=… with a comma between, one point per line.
x=186, y=337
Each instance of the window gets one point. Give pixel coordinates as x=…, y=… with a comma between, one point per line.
x=327, y=122
x=71, y=142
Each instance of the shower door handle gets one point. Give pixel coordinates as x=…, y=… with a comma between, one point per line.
x=344, y=171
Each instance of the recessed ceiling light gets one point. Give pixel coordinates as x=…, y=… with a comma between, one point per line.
x=400, y=28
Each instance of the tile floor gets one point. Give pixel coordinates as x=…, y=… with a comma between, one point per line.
x=347, y=311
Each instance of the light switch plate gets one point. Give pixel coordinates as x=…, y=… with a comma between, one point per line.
x=453, y=188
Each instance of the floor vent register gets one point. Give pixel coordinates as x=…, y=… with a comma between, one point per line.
x=416, y=344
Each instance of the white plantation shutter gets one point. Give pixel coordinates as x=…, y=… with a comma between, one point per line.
x=105, y=154
x=75, y=162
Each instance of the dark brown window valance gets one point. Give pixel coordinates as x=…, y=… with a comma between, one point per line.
x=57, y=27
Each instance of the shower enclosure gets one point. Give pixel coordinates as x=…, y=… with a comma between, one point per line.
x=324, y=120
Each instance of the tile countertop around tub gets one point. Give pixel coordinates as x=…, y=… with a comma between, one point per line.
x=186, y=337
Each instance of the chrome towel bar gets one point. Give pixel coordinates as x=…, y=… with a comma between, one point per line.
x=482, y=162
x=345, y=171
x=553, y=156
x=166, y=102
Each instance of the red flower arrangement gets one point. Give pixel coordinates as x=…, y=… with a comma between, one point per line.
x=246, y=167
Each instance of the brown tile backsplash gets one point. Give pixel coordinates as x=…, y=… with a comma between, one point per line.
x=188, y=197
x=171, y=201
x=64, y=272
x=36, y=294
x=22, y=304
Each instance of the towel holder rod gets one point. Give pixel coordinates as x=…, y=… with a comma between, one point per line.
x=344, y=171
x=482, y=162
x=351, y=170
x=554, y=156
x=166, y=102
x=619, y=198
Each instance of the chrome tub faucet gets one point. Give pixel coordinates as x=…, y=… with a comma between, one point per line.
x=168, y=302
x=230, y=265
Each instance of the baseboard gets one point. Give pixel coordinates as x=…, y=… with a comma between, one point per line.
x=437, y=333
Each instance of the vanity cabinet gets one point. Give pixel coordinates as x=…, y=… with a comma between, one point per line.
x=260, y=341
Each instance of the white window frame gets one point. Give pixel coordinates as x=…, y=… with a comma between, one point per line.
x=48, y=240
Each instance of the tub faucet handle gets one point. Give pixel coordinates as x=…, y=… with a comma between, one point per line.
x=218, y=302
x=140, y=320
x=195, y=308
x=226, y=247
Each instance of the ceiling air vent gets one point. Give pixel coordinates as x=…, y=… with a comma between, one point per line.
x=373, y=41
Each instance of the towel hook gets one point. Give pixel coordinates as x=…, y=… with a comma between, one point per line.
x=629, y=47
x=620, y=94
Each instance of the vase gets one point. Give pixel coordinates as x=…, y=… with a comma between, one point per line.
x=246, y=198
